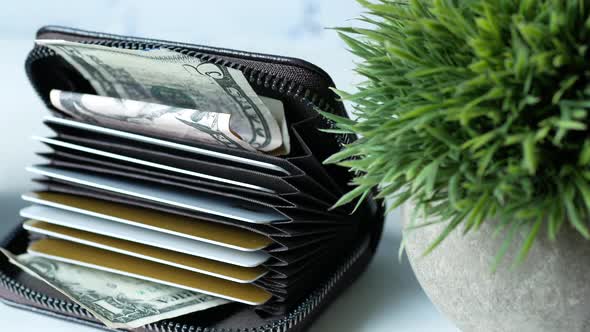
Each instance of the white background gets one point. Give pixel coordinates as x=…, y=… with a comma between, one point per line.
x=386, y=298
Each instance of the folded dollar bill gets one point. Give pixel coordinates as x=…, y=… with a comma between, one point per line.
x=117, y=301
x=178, y=81
x=168, y=122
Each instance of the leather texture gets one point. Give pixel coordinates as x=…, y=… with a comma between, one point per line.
x=309, y=248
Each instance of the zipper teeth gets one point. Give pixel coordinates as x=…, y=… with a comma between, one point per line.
x=259, y=78
x=283, y=325
x=254, y=76
x=41, y=299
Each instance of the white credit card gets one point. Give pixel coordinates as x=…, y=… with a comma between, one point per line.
x=190, y=228
x=159, y=142
x=144, y=236
x=216, y=269
x=76, y=147
x=218, y=205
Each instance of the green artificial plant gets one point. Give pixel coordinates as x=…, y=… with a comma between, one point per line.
x=475, y=110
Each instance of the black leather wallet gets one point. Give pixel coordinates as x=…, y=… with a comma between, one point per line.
x=315, y=251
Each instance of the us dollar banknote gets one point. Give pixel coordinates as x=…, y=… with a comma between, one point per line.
x=115, y=300
x=162, y=121
x=170, y=78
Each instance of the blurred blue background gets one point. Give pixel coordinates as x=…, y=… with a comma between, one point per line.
x=386, y=298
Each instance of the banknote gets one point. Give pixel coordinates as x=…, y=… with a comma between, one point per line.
x=162, y=121
x=170, y=78
x=115, y=300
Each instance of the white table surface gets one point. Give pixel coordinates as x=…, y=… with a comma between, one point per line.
x=385, y=298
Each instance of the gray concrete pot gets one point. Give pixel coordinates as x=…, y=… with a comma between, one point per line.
x=550, y=292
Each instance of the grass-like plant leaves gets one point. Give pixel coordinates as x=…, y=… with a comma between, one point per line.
x=475, y=110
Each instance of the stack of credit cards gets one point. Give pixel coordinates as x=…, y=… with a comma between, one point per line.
x=183, y=188
x=242, y=226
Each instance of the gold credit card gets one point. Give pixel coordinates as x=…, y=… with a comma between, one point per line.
x=167, y=257
x=79, y=254
x=220, y=234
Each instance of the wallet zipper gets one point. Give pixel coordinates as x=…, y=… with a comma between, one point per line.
x=284, y=85
x=292, y=319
